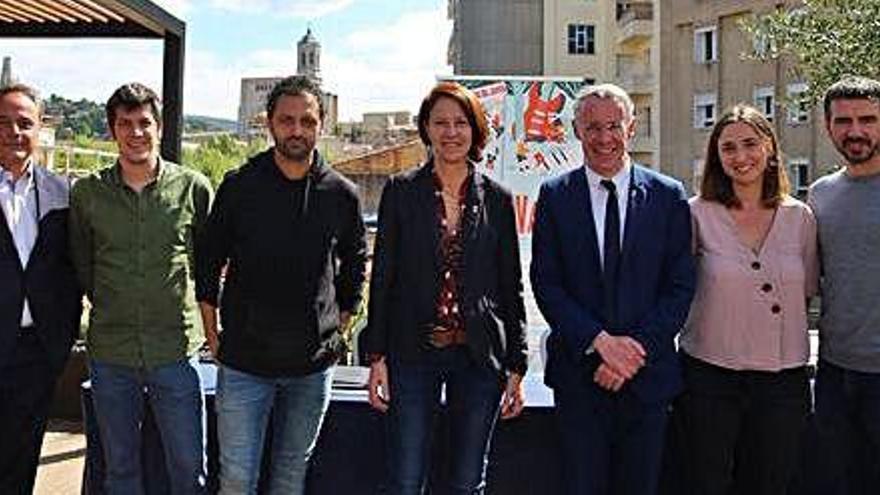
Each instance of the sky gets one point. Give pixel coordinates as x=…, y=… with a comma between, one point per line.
x=376, y=55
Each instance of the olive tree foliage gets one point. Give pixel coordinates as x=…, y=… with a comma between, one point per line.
x=825, y=40
x=219, y=155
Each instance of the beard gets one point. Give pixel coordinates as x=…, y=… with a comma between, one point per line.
x=870, y=149
x=294, y=149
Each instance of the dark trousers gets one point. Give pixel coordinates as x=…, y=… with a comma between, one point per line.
x=742, y=429
x=26, y=387
x=848, y=424
x=473, y=394
x=612, y=443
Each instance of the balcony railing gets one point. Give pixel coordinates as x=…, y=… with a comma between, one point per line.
x=635, y=11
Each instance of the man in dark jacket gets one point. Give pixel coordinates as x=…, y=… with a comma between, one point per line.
x=40, y=302
x=288, y=229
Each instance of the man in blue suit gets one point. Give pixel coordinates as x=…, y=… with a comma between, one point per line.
x=613, y=274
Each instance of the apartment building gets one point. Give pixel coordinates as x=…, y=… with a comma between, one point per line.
x=635, y=68
x=598, y=40
x=579, y=38
x=496, y=37
x=703, y=70
x=610, y=41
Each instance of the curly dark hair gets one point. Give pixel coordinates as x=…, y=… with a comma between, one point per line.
x=294, y=86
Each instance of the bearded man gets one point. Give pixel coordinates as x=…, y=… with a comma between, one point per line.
x=289, y=231
x=847, y=208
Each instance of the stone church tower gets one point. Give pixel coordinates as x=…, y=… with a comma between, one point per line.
x=308, y=61
x=255, y=90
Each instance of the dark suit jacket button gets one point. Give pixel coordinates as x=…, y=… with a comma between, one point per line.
x=775, y=309
x=766, y=287
x=756, y=265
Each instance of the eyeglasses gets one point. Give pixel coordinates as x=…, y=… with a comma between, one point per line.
x=612, y=127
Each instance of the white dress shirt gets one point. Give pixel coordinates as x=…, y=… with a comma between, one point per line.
x=19, y=202
x=598, y=197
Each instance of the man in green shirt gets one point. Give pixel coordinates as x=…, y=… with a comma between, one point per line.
x=132, y=228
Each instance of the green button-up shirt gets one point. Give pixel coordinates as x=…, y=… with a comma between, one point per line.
x=134, y=256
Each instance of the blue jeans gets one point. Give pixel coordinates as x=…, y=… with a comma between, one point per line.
x=174, y=392
x=473, y=400
x=848, y=423
x=244, y=404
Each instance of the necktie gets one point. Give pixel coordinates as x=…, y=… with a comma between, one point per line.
x=611, y=252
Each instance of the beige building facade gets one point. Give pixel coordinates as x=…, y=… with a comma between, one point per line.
x=610, y=41
x=635, y=68
x=704, y=71
x=597, y=40
x=579, y=38
x=379, y=122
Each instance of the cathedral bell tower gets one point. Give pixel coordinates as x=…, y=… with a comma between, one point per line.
x=308, y=61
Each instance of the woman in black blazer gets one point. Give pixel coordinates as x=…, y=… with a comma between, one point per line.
x=446, y=301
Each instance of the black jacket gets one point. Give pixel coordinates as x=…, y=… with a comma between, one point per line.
x=48, y=281
x=296, y=255
x=406, y=272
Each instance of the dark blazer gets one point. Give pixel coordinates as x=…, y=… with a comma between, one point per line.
x=406, y=272
x=655, y=285
x=48, y=281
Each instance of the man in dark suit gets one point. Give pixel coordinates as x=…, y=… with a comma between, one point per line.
x=39, y=297
x=613, y=274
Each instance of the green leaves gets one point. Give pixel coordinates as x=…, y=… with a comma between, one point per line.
x=824, y=40
x=220, y=154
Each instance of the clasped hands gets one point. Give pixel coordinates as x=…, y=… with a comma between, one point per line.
x=622, y=357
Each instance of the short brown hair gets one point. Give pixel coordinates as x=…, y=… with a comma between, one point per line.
x=129, y=97
x=717, y=186
x=471, y=107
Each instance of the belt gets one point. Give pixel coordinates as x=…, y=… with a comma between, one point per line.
x=441, y=337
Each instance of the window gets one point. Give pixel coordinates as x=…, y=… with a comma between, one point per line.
x=704, y=110
x=800, y=176
x=764, y=101
x=581, y=39
x=706, y=45
x=798, y=109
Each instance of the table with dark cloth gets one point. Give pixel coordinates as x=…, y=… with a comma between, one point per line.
x=350, y=454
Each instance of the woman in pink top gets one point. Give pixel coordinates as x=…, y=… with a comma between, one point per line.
x=745, y=344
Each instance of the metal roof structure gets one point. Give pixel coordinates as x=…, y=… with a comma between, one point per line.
x=110, y=19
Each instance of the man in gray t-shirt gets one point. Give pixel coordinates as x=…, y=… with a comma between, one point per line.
x=847, y=208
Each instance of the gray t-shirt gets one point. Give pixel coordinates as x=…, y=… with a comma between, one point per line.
x=847, y=213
